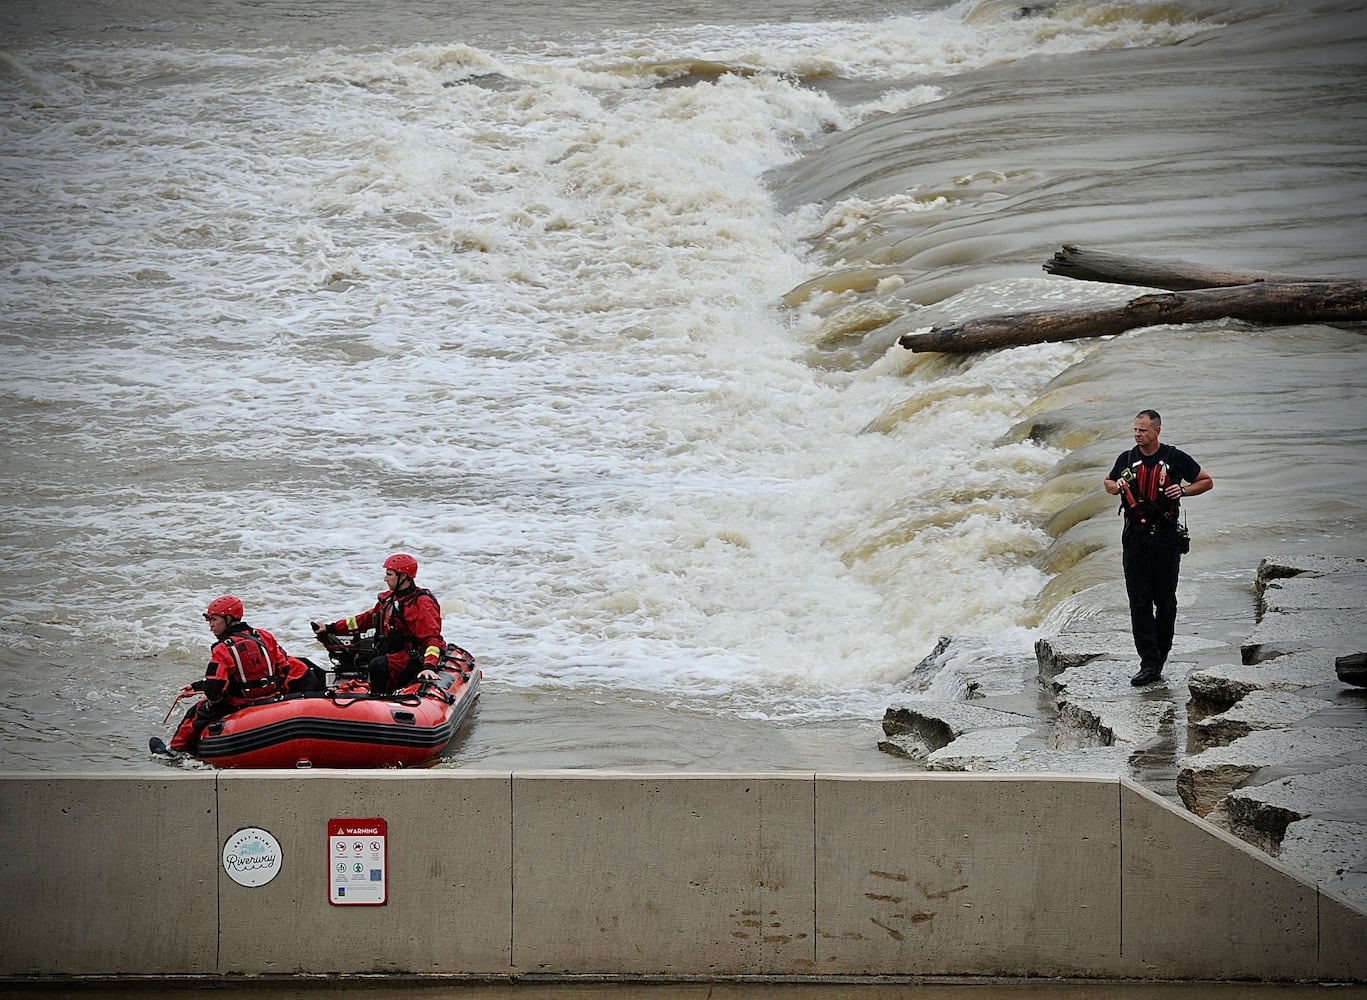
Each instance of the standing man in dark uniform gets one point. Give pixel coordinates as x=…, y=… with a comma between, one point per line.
x=1151, y=479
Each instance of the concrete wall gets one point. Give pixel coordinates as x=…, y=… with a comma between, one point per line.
x=644, y=875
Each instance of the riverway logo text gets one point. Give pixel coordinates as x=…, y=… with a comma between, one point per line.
x=252, y=857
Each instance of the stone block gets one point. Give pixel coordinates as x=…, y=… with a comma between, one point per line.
x=1256, y=710
x=1260, y=814
x=1219, y=687
x=904, y=745
x=1085, y=722
x=1279, y=567
x=936, y=724
x=1204, y=779
x=1100, y=678
x=969, y=751
x=1337, y=592
x=1056, y=653
x=1352, y=669
x=1333, y=853
x=1280, y=632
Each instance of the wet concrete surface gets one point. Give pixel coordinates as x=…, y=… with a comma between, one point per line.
x=544, y=990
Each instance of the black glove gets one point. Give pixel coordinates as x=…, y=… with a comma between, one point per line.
x=197, y=686
x=319, y=630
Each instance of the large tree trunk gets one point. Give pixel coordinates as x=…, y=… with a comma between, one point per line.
x=1174, y=275
x=1265, y=302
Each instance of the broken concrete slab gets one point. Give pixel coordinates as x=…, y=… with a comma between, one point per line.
x=936, y=724
x=1280, y=633
x=1057, y=653
x=929, y=667
x=1256, y=710
x=1110, y=678
x=1279, y=567
x=1260, y=814
x=970, y=751
x=1332, y=853
x=1340, y=592
x=1204, y=779
x=1099, y=678
x=1085, y=722
x=1352, y=669
x=1217, y=688
x=1086, y=760
x=904, y=745
x=1291, y=716
x=1323, y=596
x=962, y=668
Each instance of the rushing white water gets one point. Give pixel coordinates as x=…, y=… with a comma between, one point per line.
x=282, y=297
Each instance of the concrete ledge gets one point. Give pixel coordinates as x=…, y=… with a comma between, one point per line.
x=672, y=876
x=449, y=856
x=1266, y=920
x=109, y=876
x=629, y=875
x=983, y=876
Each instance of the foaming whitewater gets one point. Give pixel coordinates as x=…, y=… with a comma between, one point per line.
x=533, y=311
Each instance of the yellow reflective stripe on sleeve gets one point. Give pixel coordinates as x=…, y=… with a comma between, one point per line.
x=351, y=624
x=434, y=651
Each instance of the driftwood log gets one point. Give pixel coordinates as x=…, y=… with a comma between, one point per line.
x=1260, y=299
x=1174, y=275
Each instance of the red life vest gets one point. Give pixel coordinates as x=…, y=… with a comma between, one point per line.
x=251, y=673
x=1143, y=500
x=394, y=622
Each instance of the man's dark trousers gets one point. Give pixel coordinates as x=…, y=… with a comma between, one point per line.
x=1152, y=561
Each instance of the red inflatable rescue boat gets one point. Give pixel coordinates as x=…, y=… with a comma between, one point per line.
x=347, y=726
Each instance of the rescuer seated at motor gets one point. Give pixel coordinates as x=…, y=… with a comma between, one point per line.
x=407, y=624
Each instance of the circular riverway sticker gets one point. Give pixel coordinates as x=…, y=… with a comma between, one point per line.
x=252, y=857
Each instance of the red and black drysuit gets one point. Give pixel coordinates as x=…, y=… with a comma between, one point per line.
x=407, y=624
x=246, y=666
x=1152, y=546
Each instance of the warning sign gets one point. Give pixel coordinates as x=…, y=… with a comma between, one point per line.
x=357, y=855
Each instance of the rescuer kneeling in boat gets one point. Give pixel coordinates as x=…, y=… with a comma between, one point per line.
x=246, y=665
x=407, y=624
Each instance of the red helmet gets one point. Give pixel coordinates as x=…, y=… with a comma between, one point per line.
x=228, y=606
x=402, y=562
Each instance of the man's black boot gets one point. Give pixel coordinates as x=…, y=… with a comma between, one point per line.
x=1146, y=675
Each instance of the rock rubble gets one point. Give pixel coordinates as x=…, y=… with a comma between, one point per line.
x=1267, y=740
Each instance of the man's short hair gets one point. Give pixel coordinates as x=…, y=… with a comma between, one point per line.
x=1153, y=416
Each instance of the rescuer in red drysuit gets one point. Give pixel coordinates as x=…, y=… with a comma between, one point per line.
x=407, y=623
x=246, y=666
